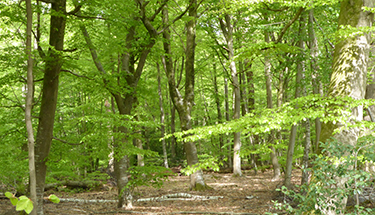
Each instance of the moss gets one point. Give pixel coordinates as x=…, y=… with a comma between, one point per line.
x=200, y=187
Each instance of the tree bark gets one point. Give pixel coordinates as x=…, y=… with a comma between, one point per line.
x=173, y=130
x=29, y=106
x=226, y=93
x=53, y=65
x=370, y=88
x=349, y=78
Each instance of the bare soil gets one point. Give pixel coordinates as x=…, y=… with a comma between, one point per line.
x=250, y=194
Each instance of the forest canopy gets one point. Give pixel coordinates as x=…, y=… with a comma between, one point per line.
x=92, y=89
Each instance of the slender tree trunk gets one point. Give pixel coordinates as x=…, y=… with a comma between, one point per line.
x=140, y=157
x=251, y=106
x=173, y=130
x=218, y=105
x=349, y=78
x=267, y=70
x=184, y=104
x=293, y=131
x=49, y=98
x=227, y=28
x=317, y=84
x=162, y=116
x=226, y=92
x=29, y=106
x=306, y=151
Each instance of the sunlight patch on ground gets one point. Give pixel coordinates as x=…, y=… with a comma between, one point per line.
x=222, y=184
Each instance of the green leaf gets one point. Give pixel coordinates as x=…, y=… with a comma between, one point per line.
x=24, y=204
x=9, y=195
x=54, y=199
x=12, y=198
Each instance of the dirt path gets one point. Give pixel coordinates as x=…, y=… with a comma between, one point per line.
x=242, y=195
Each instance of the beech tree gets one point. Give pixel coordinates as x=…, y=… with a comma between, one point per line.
x=53, y=63
x=349, y=77
x=28, y=107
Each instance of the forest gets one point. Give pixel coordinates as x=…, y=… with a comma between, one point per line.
x=133, y=95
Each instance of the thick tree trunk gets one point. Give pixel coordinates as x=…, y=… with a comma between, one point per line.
x=349, y=79
x=267, y=70
x=370, y=88
x=49, y=98
x=293, y=131
x=28, y=107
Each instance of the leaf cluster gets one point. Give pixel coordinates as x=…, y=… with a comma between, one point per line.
x=336, y=110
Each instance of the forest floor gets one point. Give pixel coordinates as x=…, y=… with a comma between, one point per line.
x=250, y=194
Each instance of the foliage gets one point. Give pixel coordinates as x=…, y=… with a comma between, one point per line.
x=338, y=161
x=23, y=203
x=334, y=110
x=206, y=161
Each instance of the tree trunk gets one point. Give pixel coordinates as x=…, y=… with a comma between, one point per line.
x=218, y=105
x=173, y=130
x=162, y=116
x=226, y=93
x=317, y=84
x=184, y=104
x=349, y=79
x=370, y=88
x=227, y=29
x=28, y=108
x=293, y=131
x=124, y=102
x=267, y=70
x=49, y=98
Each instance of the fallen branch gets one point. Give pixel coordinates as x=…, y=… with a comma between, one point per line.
x=169, y=197
x=87, y=200
x=179, y=212
x=180, y=196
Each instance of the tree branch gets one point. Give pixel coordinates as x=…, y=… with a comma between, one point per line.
x=63, y=141
x=48, y=1
x=177, y=18
x=88, y=17
x=158, y=10
x=283, y=31
x=76, y=10
x=81, y=76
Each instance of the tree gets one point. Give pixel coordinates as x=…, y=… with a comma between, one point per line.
x=185, y=104
x=349, y=76
x=53, y=63
x=28, y=108
x=228, y=30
